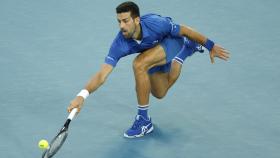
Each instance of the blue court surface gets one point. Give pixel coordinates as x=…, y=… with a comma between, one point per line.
x=50, y=49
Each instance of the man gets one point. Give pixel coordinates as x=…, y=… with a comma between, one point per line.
x=163, y=47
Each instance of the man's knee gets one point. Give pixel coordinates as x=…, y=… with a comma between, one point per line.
x=139, y=64
x=149, y=58
x=158, y=95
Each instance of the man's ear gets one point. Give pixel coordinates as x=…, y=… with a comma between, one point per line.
x=137, y=20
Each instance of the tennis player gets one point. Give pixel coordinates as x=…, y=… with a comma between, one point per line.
x=163, y=46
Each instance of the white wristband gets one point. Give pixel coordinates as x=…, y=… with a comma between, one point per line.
x=84, y=93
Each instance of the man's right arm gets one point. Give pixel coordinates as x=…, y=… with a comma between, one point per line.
x=99, y=78
x=94, y=83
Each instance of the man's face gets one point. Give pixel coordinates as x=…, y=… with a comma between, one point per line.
x=127, y=24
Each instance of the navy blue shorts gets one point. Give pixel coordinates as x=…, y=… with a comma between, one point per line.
x=172, y=46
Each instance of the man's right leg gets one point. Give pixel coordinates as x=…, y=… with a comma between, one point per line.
x=142, y=63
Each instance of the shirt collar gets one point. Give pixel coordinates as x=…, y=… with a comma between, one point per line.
x=144, y=29
x=145, y=32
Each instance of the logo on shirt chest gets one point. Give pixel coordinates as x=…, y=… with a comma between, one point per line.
x=155, y=42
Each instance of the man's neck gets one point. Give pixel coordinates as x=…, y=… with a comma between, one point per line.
x=138, y=33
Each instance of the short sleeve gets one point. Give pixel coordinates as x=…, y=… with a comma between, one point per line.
x=169, y=27
x=174, y=28
x=117, y=50
x=163, y=25
x=112, y=58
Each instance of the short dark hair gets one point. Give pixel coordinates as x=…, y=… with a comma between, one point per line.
x=128, y=6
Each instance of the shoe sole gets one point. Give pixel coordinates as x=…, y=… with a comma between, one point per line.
x=140, y=135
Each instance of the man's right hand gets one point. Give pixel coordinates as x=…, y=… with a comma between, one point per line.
x=76, y=103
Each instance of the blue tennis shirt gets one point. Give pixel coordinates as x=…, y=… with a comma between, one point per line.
x=154, y=29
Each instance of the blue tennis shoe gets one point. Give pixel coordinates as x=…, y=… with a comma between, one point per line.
x=140, y=127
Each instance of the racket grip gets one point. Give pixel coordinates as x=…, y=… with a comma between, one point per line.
x=72, y=113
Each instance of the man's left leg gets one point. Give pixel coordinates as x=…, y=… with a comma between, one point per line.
x=162, y=81
x=177, y=50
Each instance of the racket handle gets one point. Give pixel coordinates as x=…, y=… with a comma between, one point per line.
x=72, y=113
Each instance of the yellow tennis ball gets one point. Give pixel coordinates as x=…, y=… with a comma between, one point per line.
x=43, y=144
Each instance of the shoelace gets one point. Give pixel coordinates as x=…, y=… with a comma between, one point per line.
x=136, y=123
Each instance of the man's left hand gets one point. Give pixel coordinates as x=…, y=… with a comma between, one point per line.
x=220, y=52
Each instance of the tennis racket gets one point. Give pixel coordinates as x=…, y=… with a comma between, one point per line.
x=60, y=138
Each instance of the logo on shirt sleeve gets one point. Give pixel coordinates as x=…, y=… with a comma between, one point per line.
x=173, y=26
x=110, y=58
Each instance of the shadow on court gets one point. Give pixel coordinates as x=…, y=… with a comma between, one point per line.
x=135, y=148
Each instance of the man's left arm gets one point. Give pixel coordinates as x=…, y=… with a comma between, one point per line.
x=214, y=49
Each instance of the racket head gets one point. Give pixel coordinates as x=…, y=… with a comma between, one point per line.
x=56, y=143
